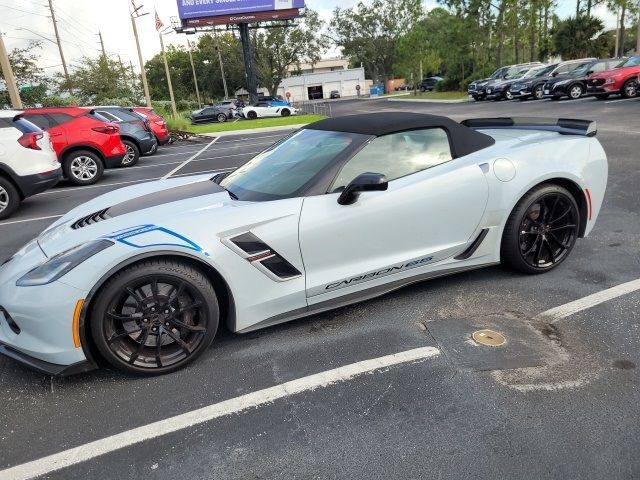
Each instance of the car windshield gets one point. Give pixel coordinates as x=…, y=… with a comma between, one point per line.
x=582, y=69
x=545, y=71
x=632, y=62
x=290, y=167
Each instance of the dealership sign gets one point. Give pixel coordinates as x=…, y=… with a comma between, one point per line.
x=200, y=9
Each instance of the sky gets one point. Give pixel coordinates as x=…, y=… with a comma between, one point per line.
x=80, y=21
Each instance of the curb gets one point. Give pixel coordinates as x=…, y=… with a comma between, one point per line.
x=426, y=100
x=254, y=130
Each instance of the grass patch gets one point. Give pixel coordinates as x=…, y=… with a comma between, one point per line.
x=438, y=95
x=231, y=125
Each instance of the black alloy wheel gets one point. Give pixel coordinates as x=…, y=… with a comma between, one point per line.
x=630, y=89
x=541, y=230
x=154, y=318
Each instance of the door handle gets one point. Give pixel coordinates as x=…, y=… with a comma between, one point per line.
x=52, y=134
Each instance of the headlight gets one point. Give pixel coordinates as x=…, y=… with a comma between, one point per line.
x=61, y=264
x=609, y=81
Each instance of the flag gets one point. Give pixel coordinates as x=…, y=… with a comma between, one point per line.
x=159, y=23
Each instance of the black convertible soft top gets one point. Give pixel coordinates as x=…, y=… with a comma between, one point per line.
x=463, y=140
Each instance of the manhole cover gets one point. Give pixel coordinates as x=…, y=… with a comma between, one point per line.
x=488, y=338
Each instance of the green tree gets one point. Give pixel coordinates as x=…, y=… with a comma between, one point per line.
x=30, y=78
x=574, y=37
x=368, y=34
x=277, y=48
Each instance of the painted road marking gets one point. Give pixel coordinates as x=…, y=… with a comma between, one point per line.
x=192, y=157
x=568, y=309
x=239, y=404
x=29, y=220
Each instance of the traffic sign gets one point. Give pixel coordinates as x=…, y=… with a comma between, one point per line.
x=358, y=87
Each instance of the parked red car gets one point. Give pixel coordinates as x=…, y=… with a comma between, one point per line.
x=157, y=123
x=622, y=80
x=85, y=142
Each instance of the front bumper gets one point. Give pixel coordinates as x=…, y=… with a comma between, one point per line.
x=494, y=94
x=36, y=322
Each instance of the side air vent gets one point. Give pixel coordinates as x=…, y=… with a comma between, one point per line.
x=90, y=219
x=263, y=257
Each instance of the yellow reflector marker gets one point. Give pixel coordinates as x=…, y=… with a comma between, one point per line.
x=75, y=325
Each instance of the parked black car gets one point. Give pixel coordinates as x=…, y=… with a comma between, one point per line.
x=135, y=131
x=429, y=84
x=334, y=94
x=501, y=89
x=214, y=113
x=574, y=83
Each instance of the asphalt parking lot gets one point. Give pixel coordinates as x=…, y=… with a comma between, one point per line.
x=559, y=401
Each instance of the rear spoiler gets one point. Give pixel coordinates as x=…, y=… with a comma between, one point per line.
x=563, y=126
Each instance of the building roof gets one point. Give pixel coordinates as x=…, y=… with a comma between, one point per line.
x=463, y=140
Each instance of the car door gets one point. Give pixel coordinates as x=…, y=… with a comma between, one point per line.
x=52, y=123
x=430, y=212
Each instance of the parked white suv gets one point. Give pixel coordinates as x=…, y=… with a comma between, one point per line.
x=28, y=164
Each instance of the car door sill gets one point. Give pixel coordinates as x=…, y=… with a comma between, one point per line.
x=356, y=297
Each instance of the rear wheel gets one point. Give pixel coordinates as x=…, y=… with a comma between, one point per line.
x=575, y=91
x=221, y=118
x=630, y=88
x=83, y=167
x=541, y=230
x=154, y=317
x=252, y=115
x=132, y=154
x=285, y=112
x=9, y=198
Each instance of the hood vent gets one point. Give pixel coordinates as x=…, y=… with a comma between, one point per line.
x=90, y=219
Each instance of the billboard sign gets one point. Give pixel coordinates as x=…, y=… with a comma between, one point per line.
x=200, y=9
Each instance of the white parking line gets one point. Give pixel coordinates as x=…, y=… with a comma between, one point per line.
x=568, y=309
x=192, y=157
x=217, y=149
x=255, y=399
x=29, y=220
x=621, y=100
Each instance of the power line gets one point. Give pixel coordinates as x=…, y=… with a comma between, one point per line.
x=23, y=11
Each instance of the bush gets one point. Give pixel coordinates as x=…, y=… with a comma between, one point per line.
x=116, y=102
x=58, y=101
x=179, y=123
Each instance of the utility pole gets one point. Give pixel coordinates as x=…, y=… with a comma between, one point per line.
x=166, y=69
x=55, y=28
x=10, y=80
x=145, y=85
x=195, y=79
x=217, y=46
x=638, y=34
x=102, y=45
x=617, y=32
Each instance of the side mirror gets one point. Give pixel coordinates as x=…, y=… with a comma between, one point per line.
x=589, y=72
x=365, y=182
x=554, y=74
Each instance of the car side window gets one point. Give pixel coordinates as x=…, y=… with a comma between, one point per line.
x=41, y=121
x=397, y=155
x=599, y=67
x=109, y=116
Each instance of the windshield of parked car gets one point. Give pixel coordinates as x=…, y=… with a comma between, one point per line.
x=632, y=62
x=582, y=69
x=545, y=71
x=290, y=167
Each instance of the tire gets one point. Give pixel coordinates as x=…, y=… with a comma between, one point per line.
x=602, y=96
x=83, y=167
x=133, y=154
x=575, y=91
x=538, y=92
x=535, y=238
x=221, y=118
x=508, y=95
x=252, y=115
x=9, y=198
x=630, y=89
x=285, y=112
x=154, y=300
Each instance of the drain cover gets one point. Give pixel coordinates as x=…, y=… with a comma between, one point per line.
x=488, y=338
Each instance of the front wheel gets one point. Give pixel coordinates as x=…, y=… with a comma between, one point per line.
x=9, y=198
x=538, y=92
x=252, y=115
x=221, y=118
x=154, y=317
x=630, y=89
x=508, y=95
x=285, y=112
x=541, y=230
x=575, y=91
